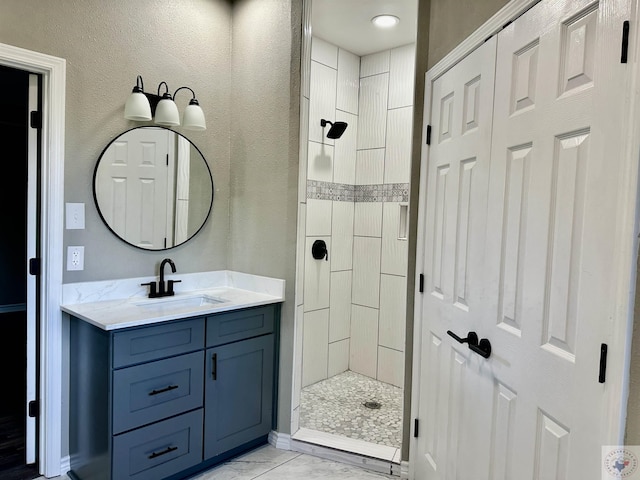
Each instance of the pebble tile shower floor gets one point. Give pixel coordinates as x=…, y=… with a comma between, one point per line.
x=336, y=405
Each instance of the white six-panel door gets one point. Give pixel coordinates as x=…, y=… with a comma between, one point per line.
x=519, y=246
x=458, y=178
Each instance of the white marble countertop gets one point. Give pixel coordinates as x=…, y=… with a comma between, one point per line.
x=117, y=304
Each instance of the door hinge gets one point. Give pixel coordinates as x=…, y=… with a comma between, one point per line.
x=416, y=423
x=33, y=408
x=421, y=287
x=35, y=119
x=603, y=363
x=428, y=134
x=625, y=42
x=34, y=266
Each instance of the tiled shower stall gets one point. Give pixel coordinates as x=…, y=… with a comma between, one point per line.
x=354, y=197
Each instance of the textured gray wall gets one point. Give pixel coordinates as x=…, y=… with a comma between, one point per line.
x=453, y=21
x=252, y=148
x=106, y=45
x=264, y=156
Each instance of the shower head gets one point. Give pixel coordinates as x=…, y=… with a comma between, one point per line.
x=336, y=130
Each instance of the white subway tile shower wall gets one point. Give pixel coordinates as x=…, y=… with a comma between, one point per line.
x=401, y=67
x=348, y=81
x=340, y=309
x=338, y=357
x=342, y=237
x=322, y=101
x=372, y=124
x=354, y=303
x=314, y=344
x=344, y=165
x=374, y=64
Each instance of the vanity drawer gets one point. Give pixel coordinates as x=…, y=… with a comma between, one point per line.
x=150, y=343
x=150, y=392
x=234, y=326
x=159, y=450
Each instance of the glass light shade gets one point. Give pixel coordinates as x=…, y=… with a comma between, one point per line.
x=137, y=107
x=193, y=118
x=167, y=113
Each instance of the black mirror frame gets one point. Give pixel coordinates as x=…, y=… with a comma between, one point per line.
x=95, y=197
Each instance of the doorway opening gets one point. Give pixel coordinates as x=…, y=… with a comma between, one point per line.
x=17, y=287
x=354, y=194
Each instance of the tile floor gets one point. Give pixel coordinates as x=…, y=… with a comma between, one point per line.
x=269, y=463
x=336, y=405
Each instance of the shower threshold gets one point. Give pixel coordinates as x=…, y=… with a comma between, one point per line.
x=370, y=456
x=351, y=445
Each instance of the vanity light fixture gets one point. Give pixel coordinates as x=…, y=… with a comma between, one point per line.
x=385, y=21
x=143, y=106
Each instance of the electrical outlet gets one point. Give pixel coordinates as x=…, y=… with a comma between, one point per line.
x=75, y=258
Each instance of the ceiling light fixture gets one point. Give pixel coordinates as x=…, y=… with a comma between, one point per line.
x=142, y=106
x=385, y=21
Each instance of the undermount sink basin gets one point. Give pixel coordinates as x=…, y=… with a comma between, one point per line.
x=180, y=301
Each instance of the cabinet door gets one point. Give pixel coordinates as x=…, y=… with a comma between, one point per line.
x=238, y=394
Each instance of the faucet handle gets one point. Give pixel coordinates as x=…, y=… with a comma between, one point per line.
x=170, y=287
x=152, y=288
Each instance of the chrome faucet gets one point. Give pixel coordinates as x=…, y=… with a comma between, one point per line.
x=164, y=289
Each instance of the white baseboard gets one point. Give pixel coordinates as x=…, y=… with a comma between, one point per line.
x=65, y=464
x=279, y=440
x=404, y=470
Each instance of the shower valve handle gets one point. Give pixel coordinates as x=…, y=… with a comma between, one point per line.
x=319, y=250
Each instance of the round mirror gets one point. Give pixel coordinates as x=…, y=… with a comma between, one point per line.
x=153, y=188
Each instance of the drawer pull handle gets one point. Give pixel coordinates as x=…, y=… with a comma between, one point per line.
x=163, y=390
x=214, y=366
x=163, y=452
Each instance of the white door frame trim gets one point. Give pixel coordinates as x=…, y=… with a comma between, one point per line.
x=53, y=71
x=628, y=215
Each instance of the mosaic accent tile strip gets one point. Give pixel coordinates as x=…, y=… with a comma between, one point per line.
x=388, y=192
x=340, y=192
x=336, y=405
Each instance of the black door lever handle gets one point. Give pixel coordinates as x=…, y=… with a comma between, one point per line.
x=472, y=338
x=483, y=348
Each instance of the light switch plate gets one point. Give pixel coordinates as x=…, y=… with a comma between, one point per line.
x=75, y=216
x=75, y=258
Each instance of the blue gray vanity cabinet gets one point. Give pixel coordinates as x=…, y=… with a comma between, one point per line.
x=242, y=347
x=167, y=400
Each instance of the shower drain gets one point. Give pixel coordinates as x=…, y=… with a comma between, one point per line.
x=372, y=404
